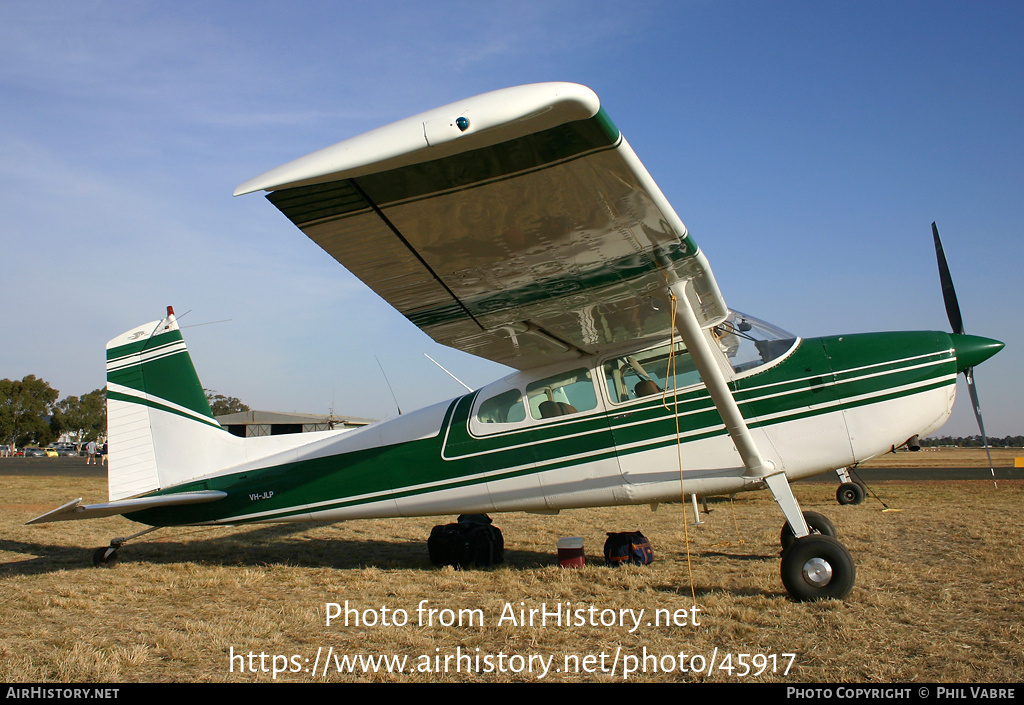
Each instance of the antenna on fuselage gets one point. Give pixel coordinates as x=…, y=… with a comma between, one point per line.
x=389, y=384
x=468, y=388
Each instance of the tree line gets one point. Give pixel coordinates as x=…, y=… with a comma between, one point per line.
x=32, y=413
x=973, y=442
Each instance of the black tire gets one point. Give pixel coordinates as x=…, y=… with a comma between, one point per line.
x=100, y=559
x=818, y=567
x=817, y=523
x=850, y=493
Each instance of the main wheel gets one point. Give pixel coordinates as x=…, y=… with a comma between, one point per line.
x=818, y=567
x=850, y=493
x=817, y=523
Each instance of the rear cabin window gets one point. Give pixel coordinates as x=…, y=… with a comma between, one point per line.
x=506, y=407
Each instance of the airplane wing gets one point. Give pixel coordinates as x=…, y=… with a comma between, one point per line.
x=517, y=225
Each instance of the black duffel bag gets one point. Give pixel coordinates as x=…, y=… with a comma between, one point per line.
x=470, y=541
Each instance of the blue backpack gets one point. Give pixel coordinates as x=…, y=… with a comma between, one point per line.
x=627, y=547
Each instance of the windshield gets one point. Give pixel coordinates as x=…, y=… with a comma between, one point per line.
x=749, y=342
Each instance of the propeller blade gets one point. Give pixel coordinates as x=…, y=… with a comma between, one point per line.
x=948, y=293
x=969, y=374
x=968, y=344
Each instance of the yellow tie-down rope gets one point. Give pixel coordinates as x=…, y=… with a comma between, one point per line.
x=674, y=409
x=671, y=370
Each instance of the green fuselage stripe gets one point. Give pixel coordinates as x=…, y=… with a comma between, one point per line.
x=802, y=386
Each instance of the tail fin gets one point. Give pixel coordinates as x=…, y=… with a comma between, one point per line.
x=156, y=406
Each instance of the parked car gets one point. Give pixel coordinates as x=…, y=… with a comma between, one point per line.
x=65, y=449
x=34, y=452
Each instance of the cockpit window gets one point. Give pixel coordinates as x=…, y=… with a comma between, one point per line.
x=749, y=342
x=651, y=372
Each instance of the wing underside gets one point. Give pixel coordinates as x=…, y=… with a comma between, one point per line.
x=533, y=237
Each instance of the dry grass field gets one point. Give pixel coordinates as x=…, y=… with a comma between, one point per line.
x=939, y=597
x=947, y=458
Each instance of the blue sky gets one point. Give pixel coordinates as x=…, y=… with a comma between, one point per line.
x=807, y=146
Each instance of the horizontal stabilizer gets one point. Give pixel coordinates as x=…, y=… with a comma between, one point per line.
x=74, y=510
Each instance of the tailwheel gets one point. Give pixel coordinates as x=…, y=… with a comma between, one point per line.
x=104, y=557
x=817, y=567
x=107, y=557
x=819, y=524
x=850, y=493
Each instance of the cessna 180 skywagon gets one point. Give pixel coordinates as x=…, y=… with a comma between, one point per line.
x=519, y=226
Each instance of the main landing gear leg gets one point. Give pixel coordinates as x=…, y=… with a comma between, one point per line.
x=815, y=566
x=107, y=555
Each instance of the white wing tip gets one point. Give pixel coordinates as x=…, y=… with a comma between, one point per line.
x=524, y=109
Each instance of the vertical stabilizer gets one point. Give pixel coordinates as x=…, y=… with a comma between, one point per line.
x=156, y=407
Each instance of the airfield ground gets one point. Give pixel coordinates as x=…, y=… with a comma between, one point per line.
x=939, y=595
x=947, y=458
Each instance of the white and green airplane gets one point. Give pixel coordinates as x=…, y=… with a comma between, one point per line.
x=519, y=226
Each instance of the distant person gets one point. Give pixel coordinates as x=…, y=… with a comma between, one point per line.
x=90, y=452
x=103, y=454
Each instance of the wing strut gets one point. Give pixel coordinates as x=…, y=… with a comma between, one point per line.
x=757, y=467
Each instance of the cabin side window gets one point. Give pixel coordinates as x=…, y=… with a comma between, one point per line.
x=565, y=393
x=651, y=372
x=506, y=407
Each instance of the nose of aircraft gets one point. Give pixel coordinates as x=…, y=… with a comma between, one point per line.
x=972, y=350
